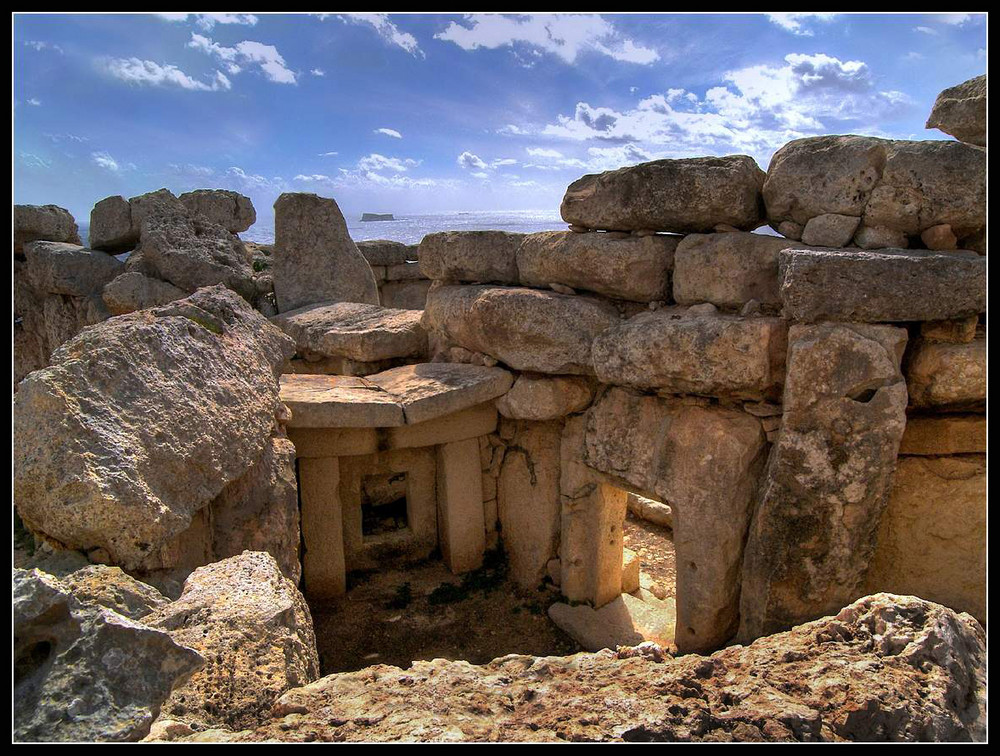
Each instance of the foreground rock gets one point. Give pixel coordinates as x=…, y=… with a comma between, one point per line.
x=527, y=329
x=887, y=667
x=315, y=259
x=228, y=209
x=133, y=291
x=83, y=672
x=961, y=111
x=883, y=285
x=255, y=632
x=636, y=268
x=828, y=477
x=156, y=412
x=43, y=222
x=693, y=195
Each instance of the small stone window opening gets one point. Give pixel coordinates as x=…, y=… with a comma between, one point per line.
x=383, y=505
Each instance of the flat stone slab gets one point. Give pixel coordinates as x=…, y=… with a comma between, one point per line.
x=881, y=286
x=433, y=389
x=405, y=395
x=626, y=621
x=355, y=331
x=338, y=401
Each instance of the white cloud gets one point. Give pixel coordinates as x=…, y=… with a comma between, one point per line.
x=328, y=154
x=40, y=46
x=35, y=101
x=387, y=30
x=148, y=72
x=312, y=177
x=795, y=22
x=245, y=53
x=207, y=21
x=318, y=72
x=376, y=162
x=925, y=30
x=471, y=161
x=390, y=133
x=108, y=163
x=564, y=35
x=32, y=160
x=543, y=152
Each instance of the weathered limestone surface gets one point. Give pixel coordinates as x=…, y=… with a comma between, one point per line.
x=68, y=269
x=83, y=672
x=892, y=668
x=691, y=195
x=947, y=376
x=528, y=500
x=830, y=230
x=944, y=434
x=315, y=259
x=527, y=329
x=470, y=256
x=335, y=401
x=541, y=397
x=156, y=411
x=47, y=222
x=651, y=510
x=405, y=295
x=961, y=111
x=828, y=477
x=362, y=332
x=892, y=186
x=704, y=463
x=887, y=285
x=111, y=588
x=231, y=210
x=932, y=538
x=626, y=621
x=116, y=223
x=323, y=563
x=254, y=630
x=714, y=355
x=461, y=521
x=635, y=268
x=133, y=291
x=382, y=252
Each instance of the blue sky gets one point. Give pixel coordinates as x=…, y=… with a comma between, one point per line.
x=418, y=114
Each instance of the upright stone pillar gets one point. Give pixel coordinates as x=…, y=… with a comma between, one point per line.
x=324, y=574
x=461, y=521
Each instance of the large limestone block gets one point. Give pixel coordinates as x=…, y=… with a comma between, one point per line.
x=898, y=189
x=527, y=329
x=254, y=630
x=635, y=268
x=941, y=375
x=383, y=252
x=470, y=256
x=68, y=269
x=47, y=222
x=713, y=355
x=828, y=476
x=728, y=269
x=324, y=574
x=133, y=291
x=337, y=401
x=231, y=210
x=116, y=223
x=944, y=434
x=361, y=332
x=435, y=389
x=314, y=258
x=886, y=668
x=887, y=285
x=528, y=501
x=626, y=621
x=932, y=538
x=83, y=672
x=461, y=520
x=155, y=412
x=542, y=397
x=692, y=195
x=704, y=462
x=961, y=111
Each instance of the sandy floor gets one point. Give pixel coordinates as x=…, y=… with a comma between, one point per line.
x=396, y=616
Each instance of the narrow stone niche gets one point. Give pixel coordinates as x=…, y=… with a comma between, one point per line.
x=384, y=507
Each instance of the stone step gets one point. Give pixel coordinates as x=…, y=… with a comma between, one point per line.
x=627, y=621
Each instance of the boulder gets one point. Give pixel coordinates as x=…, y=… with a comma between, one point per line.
x=887, y=285
x=111, y=588
x=383, y=252
x=898, y=189
x=133, y=291
x=635, y=268
x=527, y=329
x=948, y=376
x=254, y=630
x=83, y=672
x=830, y=230
x=710, y=355
x=692, y=195
x=116, y=223
x=362, y=332
x=68, y=269
x=828, y=476
x=231, y=210
x=961, y=111
x=156, y=412
x=314, y=258
x=43, y=222
x=470, y=256
x=885, y=668
x=540, y=397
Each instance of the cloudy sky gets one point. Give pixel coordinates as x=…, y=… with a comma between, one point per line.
x=415, y=113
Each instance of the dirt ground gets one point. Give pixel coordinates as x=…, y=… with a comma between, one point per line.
x=398, y=615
